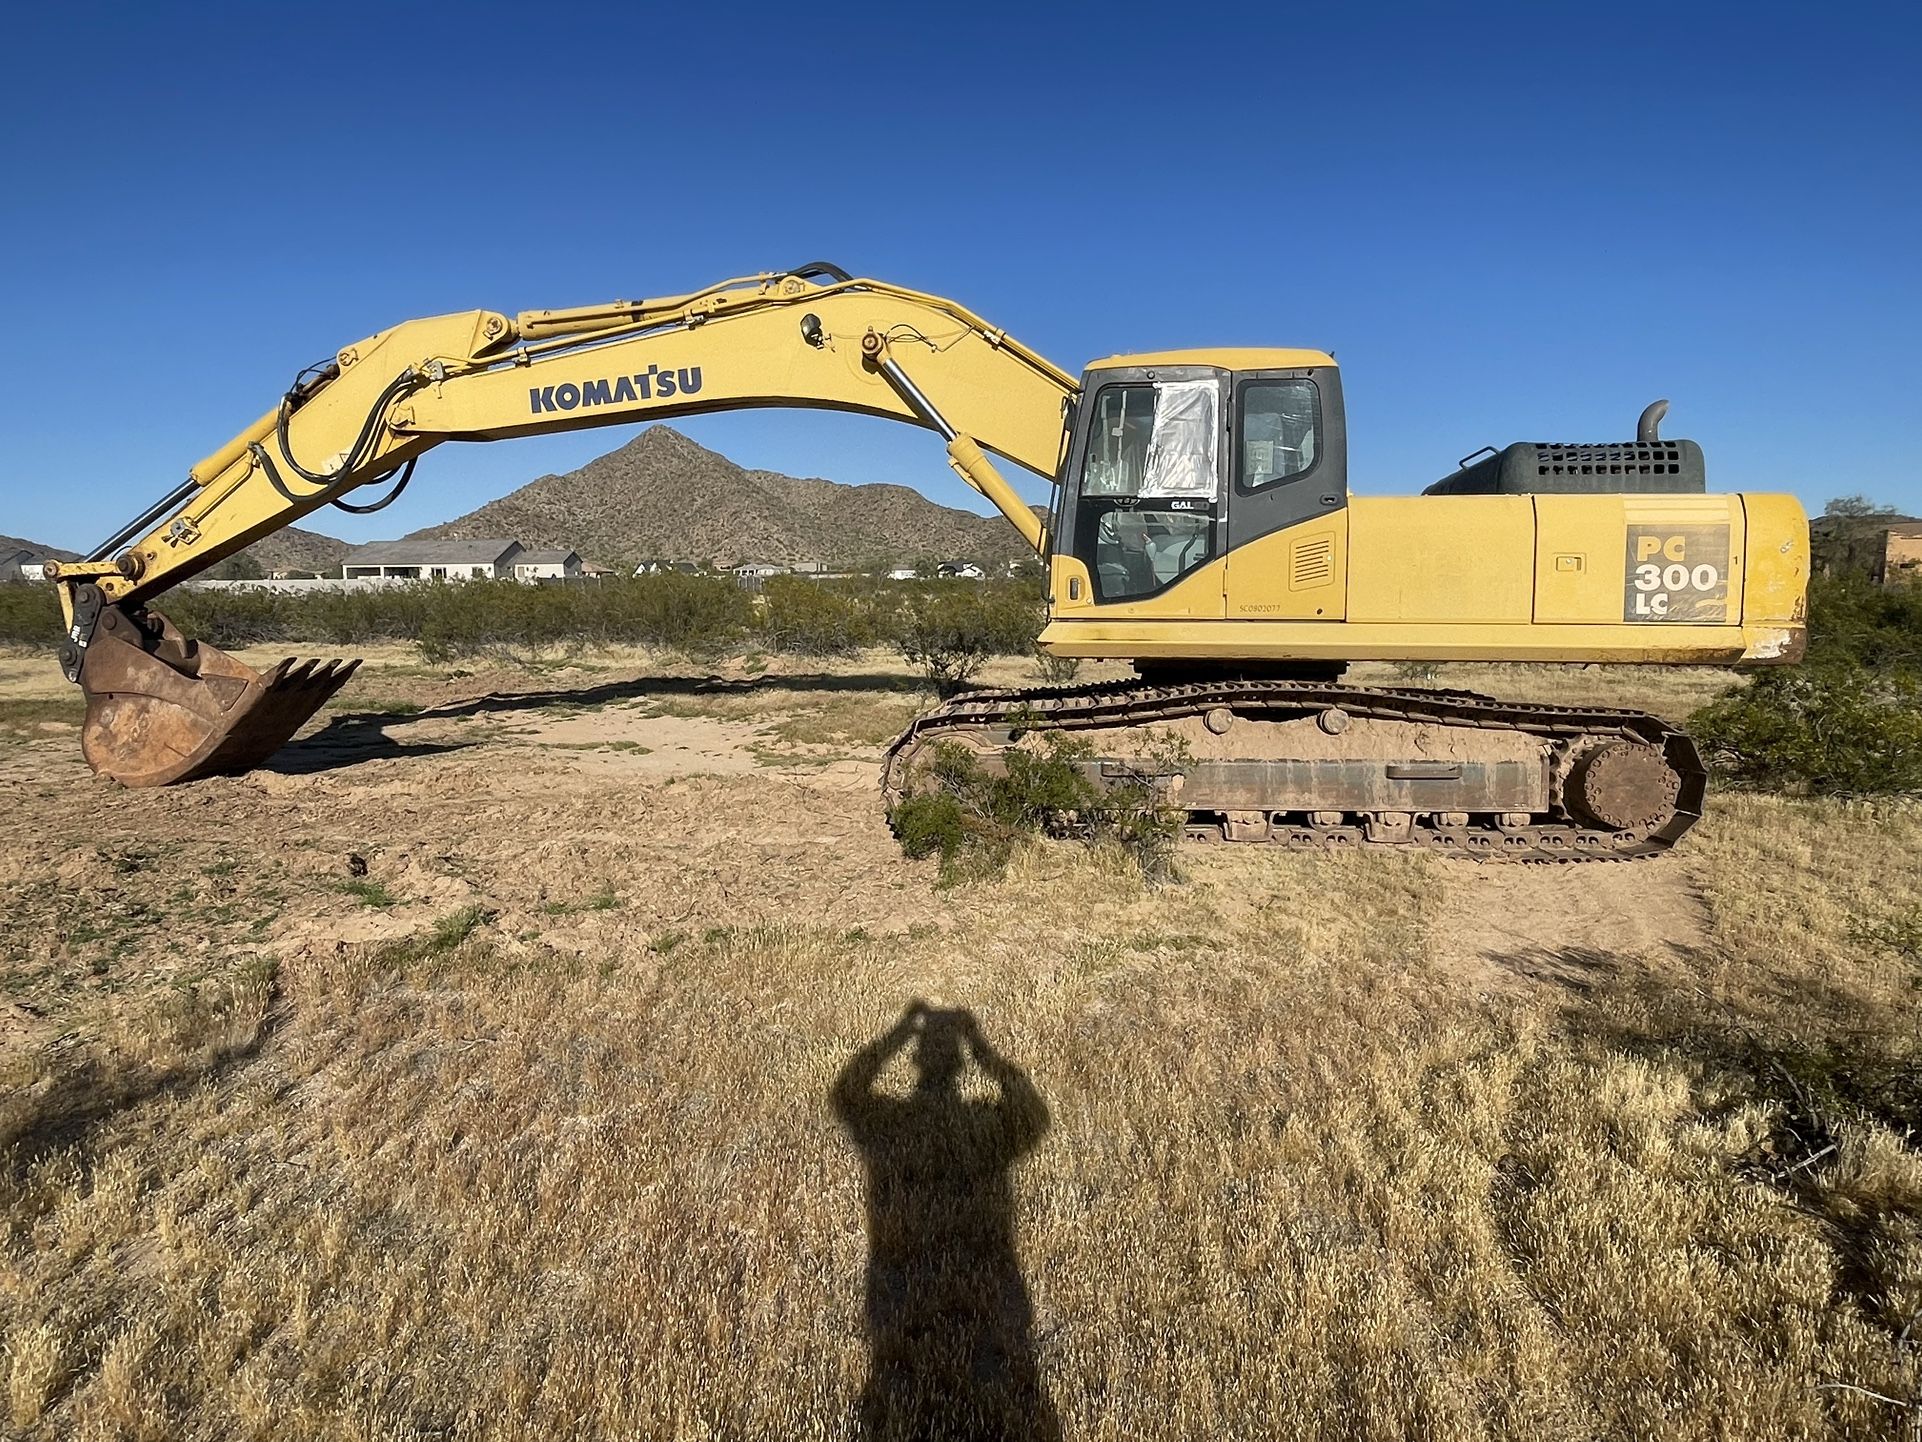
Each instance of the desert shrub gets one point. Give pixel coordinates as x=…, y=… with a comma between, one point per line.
x=349, y=618
x=950, y=628
x=1056, y=670
x=29, y=614
x=818, y=618
x=973, y=818
x=503, y=620
x=1837, y=728
x=943, y=635
x=233, y=618
x=955, y=625
x=1853, y=620
x=698, y=615
x=934, y=823
x=1846, y=721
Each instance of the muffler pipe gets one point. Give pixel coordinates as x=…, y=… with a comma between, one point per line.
x=1648, y=430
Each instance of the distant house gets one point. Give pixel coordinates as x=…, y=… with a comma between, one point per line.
x=1885, y=547
x=1901, y=553
x=753, y=575
x=595, y=571
x=656, y=568
x=23, y=565
x=808, y=568
x=546, y=565
x=903, y=573
x=960, y=571
x=434, y=560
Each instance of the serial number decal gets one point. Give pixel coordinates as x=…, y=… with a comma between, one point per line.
x=1677, y=573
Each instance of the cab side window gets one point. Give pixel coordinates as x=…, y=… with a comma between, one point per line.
x=1280, y=432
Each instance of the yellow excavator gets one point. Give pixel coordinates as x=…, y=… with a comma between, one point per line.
x=1200, y=528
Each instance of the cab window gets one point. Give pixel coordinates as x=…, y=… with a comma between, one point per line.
x=1280, y=432
x=1149, y=492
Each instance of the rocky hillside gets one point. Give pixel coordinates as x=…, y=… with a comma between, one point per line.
x=292, y=549
x=661, y=495
x=296, y=550
x=21, y=543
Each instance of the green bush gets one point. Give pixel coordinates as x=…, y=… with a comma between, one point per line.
x=1056, y=670
x=973, y=818
x=29, y=615
x=699, y=615
x=1827, y=729
x=1853, y=620
x=950, y=628
x=803, y=617
x=1848, y=720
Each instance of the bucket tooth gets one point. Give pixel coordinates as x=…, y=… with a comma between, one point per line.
x=162, y=709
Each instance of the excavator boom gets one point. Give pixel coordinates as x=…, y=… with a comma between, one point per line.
x=163, y=709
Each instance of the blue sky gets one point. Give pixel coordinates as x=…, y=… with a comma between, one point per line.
x=1508, y=221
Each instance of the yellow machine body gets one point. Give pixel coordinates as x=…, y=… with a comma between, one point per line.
x=1625, y=576
x=1200, y=519
x=1471, y=578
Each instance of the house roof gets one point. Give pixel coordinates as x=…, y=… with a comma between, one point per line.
x=431, y=553
x=760, y=566
x=21, y=557
x=546, y=558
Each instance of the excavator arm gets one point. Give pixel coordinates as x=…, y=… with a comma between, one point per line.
x=162, y=708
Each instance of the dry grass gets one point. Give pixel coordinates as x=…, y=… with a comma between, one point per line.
x=564, y=1137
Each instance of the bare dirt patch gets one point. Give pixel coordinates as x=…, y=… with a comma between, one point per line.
x=1564, y=926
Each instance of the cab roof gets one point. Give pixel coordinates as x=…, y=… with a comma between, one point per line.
x=1234, y=358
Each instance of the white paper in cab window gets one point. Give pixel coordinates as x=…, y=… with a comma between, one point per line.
x=1181, y=452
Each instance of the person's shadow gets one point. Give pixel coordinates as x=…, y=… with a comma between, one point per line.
x=950, y=1326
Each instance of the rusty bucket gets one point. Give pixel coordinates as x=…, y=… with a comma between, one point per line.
x=162, y=708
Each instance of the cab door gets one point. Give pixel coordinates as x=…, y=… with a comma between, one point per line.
x=1287, y=552
x=1144, y=519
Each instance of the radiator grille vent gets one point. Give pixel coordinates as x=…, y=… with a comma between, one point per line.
x=1311, y=563
x=1628, y=458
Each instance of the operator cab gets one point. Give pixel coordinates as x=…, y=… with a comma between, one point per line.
x=1180, y=457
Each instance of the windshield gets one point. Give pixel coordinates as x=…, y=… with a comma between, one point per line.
x=1148, y=486
x=1154, y=440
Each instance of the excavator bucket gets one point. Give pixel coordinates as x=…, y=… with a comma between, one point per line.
x=162, y=708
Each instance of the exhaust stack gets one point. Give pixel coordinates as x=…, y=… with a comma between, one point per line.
x=1648, y=430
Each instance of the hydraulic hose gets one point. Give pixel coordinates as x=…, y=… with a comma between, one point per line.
x=820, y=268
x=406, y=475
x=334, y=482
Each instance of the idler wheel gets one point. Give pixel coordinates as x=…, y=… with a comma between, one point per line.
x=1621, y=786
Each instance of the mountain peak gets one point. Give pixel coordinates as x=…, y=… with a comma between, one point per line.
x=657, y=439
x=662, y=495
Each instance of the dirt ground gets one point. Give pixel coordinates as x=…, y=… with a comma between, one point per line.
x=527, y=1054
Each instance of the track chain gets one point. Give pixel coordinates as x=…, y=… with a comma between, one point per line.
x=1569, y=730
